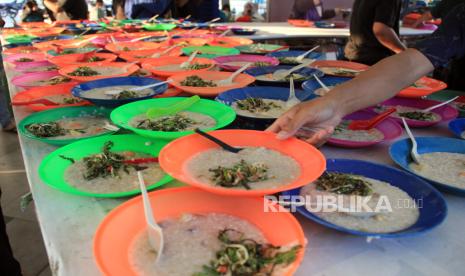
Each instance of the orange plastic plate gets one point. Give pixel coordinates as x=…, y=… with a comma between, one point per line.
x=152, y=64
x=70, y=68
x=72, y=59
x=418, y=92
x=174, y=157
x=240, y=81
x=141, y=55
x=116, y=233
x=121, y=47
x=230, y=42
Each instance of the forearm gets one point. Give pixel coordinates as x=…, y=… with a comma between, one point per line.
x=52, y=5
x=388, y=38
x=382, y=81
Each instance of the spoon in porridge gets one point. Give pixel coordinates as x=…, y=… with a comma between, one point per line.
x=154, y=231
x=413, y=151
x=230, y=80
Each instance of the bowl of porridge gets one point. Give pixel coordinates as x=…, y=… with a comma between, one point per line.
x=204, y=114
x=49, y=78
x=168, y=66
x=35, y=66
x=229, y=41
x=422, y=88
x=441, y=161
x=61, y=126
x=82, y=59
x=411, y=110
x=344, y=137
x=104, y=166
x=192, y=230
x=96, y=91
x=90, y=72
x=122, y=47
x=257, y=107
x=398, y=204
x=264, y=75
x=340, y=68
x=59, y=94
x=21, y=58
x=210, y=51
x=234, y=62
x=265, y=165
x=206, y=83
x=142, y=55
x=290, y=57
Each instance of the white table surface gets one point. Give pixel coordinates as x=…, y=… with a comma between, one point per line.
x=282, y=30
x=68, y=223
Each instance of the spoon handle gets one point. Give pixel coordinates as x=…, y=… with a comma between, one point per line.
x=439, y=105
x=218, y=141
x=302, y=56
x=240, y=70
x=321, y=83
x=414, y=152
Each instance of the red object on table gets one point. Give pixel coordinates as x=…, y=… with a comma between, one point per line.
x=369, y=124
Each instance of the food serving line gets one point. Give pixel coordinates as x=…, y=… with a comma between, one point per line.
x=68, y=223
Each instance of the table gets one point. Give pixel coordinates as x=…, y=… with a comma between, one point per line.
x=283, y=30
x=68, y=223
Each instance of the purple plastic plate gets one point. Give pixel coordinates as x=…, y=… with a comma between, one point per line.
x=390, y=128
x=27, y=66
x=23, y=81
x=446, y=112
x=221, y=61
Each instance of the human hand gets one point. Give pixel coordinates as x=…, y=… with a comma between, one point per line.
x=313, y=121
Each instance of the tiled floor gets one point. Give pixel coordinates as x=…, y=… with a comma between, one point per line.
x=22, y=227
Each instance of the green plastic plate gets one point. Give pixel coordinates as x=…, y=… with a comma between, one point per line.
x=445, y=95
x=210, y=51
x=60, y=113
x=159, y=27
x=223, y=114
x=20, y=39
x=249, y=49
x=53, y=167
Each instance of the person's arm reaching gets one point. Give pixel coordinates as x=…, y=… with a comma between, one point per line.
x=388, y=37
x=382, y=81
x=52, y=5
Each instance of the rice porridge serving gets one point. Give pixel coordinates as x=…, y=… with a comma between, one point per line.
x=199, y=245
x=69, y=128
x=182, y=121
x=443, y=167
x=260, y=108
x=410, y=113
x=253, y=168
x=350, y=187
x=342, y=132
x=100, y=93
x=111, y=172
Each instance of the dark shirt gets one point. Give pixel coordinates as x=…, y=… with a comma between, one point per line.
x=444, y=7
x=76, y=9
x=363, y=46
x=200, y=10
x=448, y=41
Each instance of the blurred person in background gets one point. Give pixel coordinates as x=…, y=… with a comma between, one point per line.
x=226, y=14
x=8, y=264
x=374, y=31
x=199, y=10
x=6, y=121
x=68, y=9
x=97, y=11
x=145, y=9
x=250, y=14
x=312, y=10
x=32, y=13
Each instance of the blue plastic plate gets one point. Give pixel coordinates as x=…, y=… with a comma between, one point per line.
x=312, y=55
x=400, y=153
x=258, y=71
x=457, y=127
x=79, y=90
x=311, y=85
x=432, y=212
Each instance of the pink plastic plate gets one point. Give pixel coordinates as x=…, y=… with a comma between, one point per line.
x=446, y=112
x=389, y=127
x=27, y=67
x=24, y=81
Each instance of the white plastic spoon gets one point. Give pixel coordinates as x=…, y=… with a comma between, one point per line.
x=186, y=64
x=157, y=55
x=281, y=74
x=135, y=89
x=301, y=57
x=154, y=231
x=326, y=88
x=231, y=78
x=292, y=100
x=413, y=152
x=439, y=105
